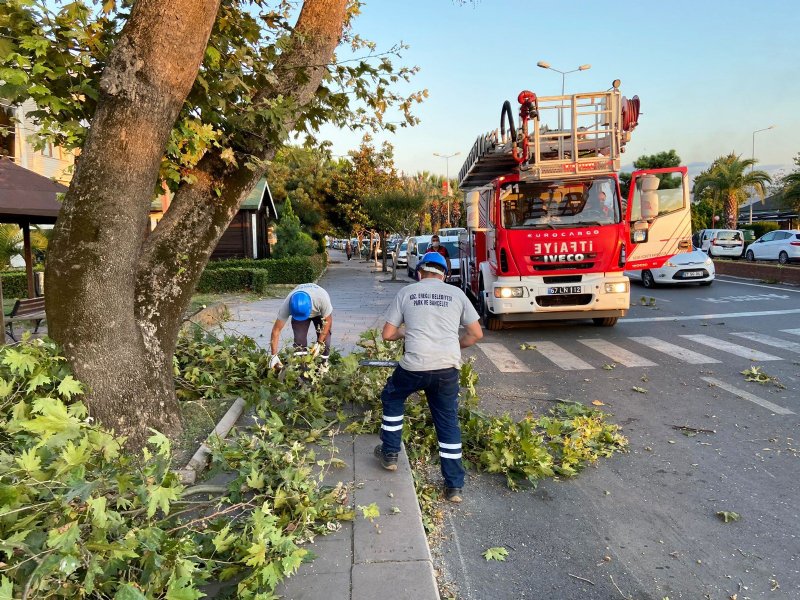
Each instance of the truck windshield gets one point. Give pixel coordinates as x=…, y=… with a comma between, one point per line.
x=559, y=204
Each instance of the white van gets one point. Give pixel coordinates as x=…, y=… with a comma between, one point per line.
x=723, y=242
x=418, y=245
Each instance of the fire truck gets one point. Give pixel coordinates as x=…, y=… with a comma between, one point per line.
x=548, y=233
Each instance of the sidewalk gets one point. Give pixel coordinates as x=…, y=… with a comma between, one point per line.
x=387, y=559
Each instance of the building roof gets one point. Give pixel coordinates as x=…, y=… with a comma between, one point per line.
x=26, y=196
x=772, y=209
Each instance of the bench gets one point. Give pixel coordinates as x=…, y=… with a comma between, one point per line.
x=25, y=309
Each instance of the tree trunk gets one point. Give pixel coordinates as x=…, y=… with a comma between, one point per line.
x=731, y=211
x=116, y=296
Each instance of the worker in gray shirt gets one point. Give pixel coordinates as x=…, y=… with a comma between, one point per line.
x=432, y=312
x=308, y=303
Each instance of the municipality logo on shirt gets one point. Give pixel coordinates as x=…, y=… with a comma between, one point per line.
x=426, y=299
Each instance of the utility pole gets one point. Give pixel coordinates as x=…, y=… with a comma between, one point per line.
x=753, y=156
x=447, y=158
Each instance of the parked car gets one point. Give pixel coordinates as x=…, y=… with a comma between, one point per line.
x=687, y=267
x=418, y=245
x=402, y=254
x=782, y=245
x=723, y=242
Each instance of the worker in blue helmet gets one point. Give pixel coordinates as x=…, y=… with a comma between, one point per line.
x=308, y=304
x=427, y=315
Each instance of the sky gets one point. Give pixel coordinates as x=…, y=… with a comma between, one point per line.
x=708, y=72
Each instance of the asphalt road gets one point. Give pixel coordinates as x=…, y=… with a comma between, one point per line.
x=643, y=524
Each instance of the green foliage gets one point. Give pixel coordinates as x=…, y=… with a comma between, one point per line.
x=83, y=518
x=292, y=240
x=496, y=553
x=761, y=227
x=237, y=275
x=661, y=160
x=55, y=55
x=15, y=284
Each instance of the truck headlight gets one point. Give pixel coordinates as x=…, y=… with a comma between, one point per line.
x=619, y=287
x=509, y=292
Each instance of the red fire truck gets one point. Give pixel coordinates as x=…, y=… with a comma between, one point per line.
x=548, y=233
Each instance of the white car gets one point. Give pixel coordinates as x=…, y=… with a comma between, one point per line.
x=418, y=245
x=402, y=253
x=687, y=267
x=723, y=242
x=782, y=245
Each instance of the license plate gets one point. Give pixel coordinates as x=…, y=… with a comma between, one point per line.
x=564, y=289
x=693, y=274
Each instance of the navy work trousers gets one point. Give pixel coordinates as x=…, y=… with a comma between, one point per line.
x=441, y=390
x=300, y=330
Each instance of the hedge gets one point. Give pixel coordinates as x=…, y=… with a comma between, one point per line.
x=236, y=275
x=761, y=227
x=15, y=284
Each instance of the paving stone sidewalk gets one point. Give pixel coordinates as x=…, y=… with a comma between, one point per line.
x=388, y=559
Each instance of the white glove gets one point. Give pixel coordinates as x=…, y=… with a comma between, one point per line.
x=275, y=362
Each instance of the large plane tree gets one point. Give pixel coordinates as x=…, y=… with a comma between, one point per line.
x=197, y=95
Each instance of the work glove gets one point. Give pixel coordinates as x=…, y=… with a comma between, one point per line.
x=275, y=362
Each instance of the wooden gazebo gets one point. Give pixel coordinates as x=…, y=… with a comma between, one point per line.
x=27, y=198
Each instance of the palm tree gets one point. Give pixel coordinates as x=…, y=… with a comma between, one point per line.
x=791, y=191
x=729, y=178
x=11, y=243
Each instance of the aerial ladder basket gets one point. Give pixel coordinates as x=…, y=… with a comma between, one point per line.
x=558, y=137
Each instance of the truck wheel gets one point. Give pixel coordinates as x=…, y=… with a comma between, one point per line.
x=605, y=321
x=490, y=322
x=783, y=258
x=750, y=256
x=648, y=280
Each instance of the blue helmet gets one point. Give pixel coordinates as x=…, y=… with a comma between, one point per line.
x=434, y=258
x=300, y=306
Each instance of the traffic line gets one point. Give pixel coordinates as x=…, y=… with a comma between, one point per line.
x=689, y=356
x=778, y=410
x=617, y=354
x=560, y=357
x=792, y=331
x=503, y=359
x=769, y=341
x=761, y=285
x=730, y=347
x=760, y=313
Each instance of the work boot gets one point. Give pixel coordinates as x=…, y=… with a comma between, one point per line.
x=454, y=495
x=388, y=459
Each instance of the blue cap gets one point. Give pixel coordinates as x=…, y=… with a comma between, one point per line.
x=434, y=258
x=300, y=306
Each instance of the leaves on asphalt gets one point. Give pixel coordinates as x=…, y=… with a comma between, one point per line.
x=609, y=366
x=497, y=553
x=370, y=512
x=641, y=390
x=598, y=403
x=527, y=346
x=728, y=516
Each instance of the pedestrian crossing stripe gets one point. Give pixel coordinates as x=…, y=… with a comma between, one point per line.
x=731, y=347
x=688, y=356
x=559, y=356
x=792, y=331
x=506, y=362
x=769, y=340
x=617, y=354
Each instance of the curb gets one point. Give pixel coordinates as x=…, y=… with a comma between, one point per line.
x=199, y=461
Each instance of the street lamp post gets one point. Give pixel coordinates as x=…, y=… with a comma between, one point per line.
x=753, y=156
x=447, y=158
x=546, y=65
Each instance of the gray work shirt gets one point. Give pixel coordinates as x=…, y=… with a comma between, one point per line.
x=320, y=302
x=432, y=312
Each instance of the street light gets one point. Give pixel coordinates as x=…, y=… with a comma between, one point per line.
x=447, y=158
x=753, y=156
x=546, y=65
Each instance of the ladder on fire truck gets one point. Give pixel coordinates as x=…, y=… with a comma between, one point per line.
x=558, y=137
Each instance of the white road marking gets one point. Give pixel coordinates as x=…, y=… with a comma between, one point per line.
x=769, y=340
x=617, y=354
x=778, y=410
x=792, y=331
x=730, y=347
x=559, y=356
x=503, y=359
x=683, y=354
x=760, y=313
x=769, y=287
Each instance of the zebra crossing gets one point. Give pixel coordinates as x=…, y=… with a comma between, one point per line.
x=641, y=349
